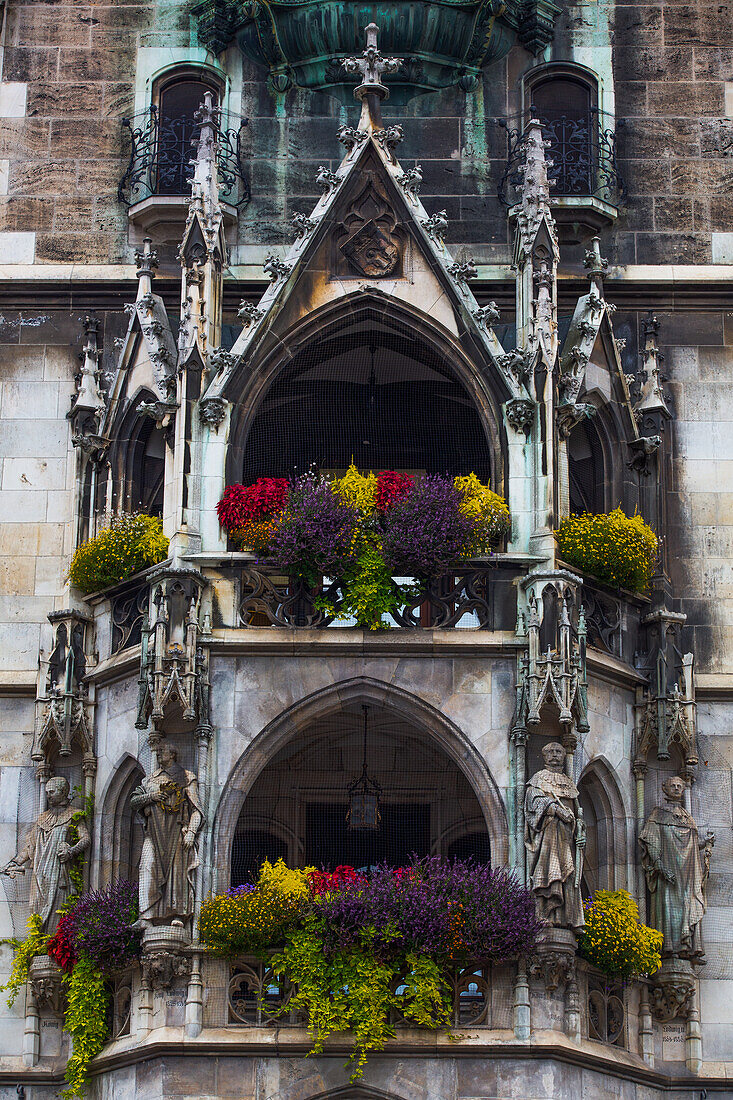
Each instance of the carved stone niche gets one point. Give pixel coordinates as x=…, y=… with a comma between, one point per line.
x=368, y=240
x=164, y=957
x=672, y=988
x=45, y=980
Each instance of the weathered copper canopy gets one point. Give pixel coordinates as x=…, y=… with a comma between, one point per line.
x=442, y=42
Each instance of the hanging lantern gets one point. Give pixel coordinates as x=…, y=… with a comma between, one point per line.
x=364, y=793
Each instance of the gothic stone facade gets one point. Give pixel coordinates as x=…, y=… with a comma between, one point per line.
x=636, y=105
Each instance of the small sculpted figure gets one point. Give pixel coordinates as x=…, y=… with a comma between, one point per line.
x=676, y=865
x=48, y=851
x=554, y=837
x=169, y=804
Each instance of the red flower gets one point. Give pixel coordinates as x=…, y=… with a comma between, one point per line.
x=326, y=882
x=391, y=487
x=60, y=947
x=244, y=503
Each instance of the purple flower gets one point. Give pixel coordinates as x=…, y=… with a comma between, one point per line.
x=435, y=906
x=426, y=532
x=101, y=926
x=316, y=533
x=237, y=891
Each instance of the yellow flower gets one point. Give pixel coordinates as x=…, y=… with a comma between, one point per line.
x=357, y=489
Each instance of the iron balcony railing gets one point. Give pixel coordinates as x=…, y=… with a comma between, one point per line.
x=162, y=154
x=581, y=155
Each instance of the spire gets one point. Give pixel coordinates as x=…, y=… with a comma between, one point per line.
x=370, y=66
x=146, y=261
x=652, y=397
x=596, y=265
x=88, y=398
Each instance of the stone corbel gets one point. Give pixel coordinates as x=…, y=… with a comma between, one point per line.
x=46, y=981
x=165, y=957
x=672, y=990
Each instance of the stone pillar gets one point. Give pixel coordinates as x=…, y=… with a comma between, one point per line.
x=32, y=1033
x=693, y=1039
x=522, y=1018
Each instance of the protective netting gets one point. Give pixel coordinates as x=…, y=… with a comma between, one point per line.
x=297, y=808
x=379, y=397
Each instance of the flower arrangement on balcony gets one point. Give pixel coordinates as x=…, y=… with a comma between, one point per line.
x=130, y=542
x=613, y=938
x=94, y=938
x=363, y=529
x=358, y=947
x=619, y=550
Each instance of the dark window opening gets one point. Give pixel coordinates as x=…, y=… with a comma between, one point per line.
x=147, y=470
x=177, y=105
x=378, y=398
x=564, y=107
x=296, y=809
x=585, y=466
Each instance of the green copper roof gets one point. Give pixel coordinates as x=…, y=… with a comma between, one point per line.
x=442, y=42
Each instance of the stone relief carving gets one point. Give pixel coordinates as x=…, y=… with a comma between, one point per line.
x=676, y=865
x=169, y=804
x=368, y=240
x=48, y=851
x=554, y=839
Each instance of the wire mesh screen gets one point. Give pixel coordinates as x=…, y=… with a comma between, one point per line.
x=381, y=398
x=297, y=809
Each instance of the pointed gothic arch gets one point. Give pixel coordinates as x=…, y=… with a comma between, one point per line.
x=420, y=357
x=609, y=825
x=299, y=718
x=120, y=831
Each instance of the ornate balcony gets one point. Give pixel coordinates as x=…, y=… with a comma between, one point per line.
x=587, y=188
x=156, y=185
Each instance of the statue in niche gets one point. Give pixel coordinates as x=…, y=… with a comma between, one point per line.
x=676, y=865
x=168, y=802
x=554, y=836
x=49, y=849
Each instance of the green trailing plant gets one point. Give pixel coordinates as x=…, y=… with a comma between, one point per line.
x=425, y=998
x=369, y=591
x=85, y=1020
x=25, y=951
x=130, y=542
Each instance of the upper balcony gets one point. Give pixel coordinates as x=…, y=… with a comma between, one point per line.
x=586, y=187
x=156, y=185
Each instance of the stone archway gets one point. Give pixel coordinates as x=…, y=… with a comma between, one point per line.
x=300, y=719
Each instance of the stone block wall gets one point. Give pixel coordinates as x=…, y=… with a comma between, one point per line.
x=71, y=72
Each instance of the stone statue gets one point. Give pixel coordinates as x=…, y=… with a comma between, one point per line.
x=554, y=836
x=676, y=872
x=169, y=804
x=49, y=850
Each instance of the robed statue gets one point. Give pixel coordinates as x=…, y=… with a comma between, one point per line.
x=554, y=836
x=676, y=865
x=168, y=802
x=50, y=847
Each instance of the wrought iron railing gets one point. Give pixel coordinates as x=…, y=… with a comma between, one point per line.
x=256, y=997
x=581, y=155
x=129, y=609
x=477, y=595
x=162, y=153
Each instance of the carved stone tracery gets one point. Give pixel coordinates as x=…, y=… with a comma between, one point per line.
x=368, y=240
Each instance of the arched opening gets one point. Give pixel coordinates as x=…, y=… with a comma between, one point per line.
x=371, y=398
x=432, y=777
x=121, y=829
x=297, y=808
x=146, y=469
x=607, y=825
x=565, y=102
x=178, y=98
x=367, y=386
x=586, y=470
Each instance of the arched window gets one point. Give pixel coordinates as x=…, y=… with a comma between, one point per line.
x=585, y=467
x=566, y=103
x=373, y=396
x=178, y=98
x=145, y=469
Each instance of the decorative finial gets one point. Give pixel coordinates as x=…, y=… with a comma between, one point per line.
x=146, y=261
x=371, y=66
x=652, y=399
